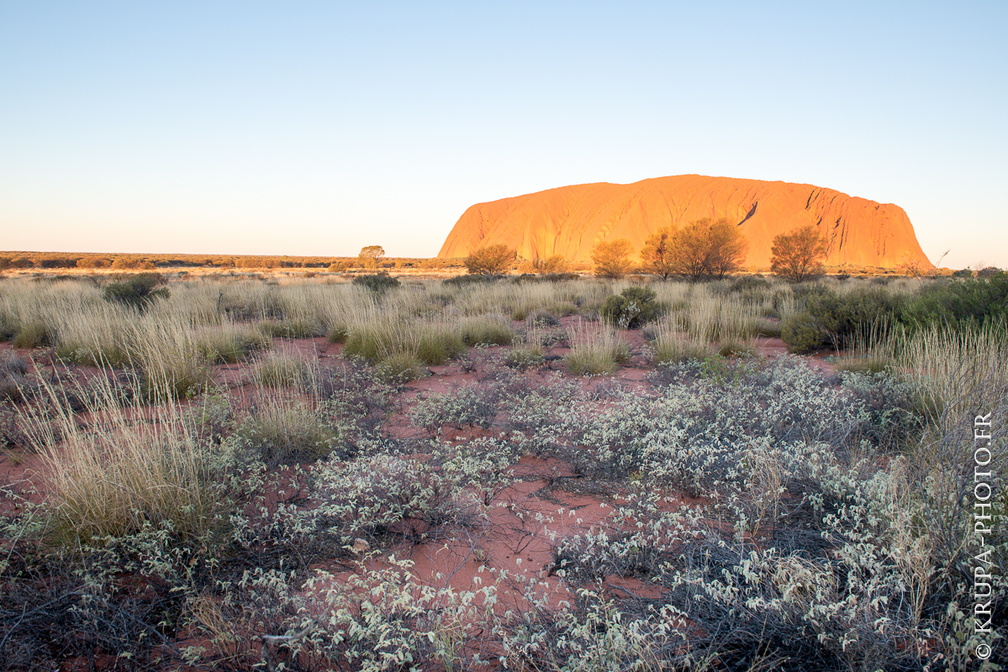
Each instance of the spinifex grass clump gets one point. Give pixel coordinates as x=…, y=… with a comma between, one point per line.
x=169, y=360
x=230, y=343
x=291, y=328
x=279, y=369
x=34, y=334
x=278, y=430
x=379, y=339
x=486, y=330
x=596, y=349
x=130, y=467
x=672, y=346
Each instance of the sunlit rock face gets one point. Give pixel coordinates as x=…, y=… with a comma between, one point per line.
x=569, y=221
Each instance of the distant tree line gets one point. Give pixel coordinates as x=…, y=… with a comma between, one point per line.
x=703, y=249
x=69, y=260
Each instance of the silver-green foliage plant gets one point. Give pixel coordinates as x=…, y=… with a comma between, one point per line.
x=371, y=619
x=697, y=435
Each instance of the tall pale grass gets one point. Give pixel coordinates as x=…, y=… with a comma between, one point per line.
x=955, y=375
x=705, y=315
x=518, y=300
x=384, y=337
x=672, y=345
x=953, y=369
x=596, y=349
x=127, y=466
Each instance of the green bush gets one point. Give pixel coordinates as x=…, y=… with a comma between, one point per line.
x=832, y=319
x=971, y=301
x=803, y=333
x=138, y=291
x=633, y=307
x=377, y=282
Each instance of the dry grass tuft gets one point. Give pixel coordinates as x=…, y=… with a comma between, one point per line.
x=596, y=349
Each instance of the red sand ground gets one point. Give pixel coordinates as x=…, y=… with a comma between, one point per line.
x=522, y=524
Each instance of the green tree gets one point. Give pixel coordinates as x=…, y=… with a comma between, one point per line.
x=706, y=249
x=369, y=256
x=612, y=258
x=551, y=265
x=798, y=255
x=490, y=260
x=657, y=252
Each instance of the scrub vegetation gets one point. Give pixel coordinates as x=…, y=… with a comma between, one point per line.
x=528, y=473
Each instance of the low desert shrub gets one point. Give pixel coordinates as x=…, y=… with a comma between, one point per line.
x=384, y=496
x=353, y=397
x=630, y=309
x=694, y=434
x=138, y=291
x=376, y=619
x=541, y=318
x=524, y=357
x=378, y=283
x=894, y=420
x=468, y=406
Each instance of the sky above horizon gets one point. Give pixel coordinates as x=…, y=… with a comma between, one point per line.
x=316, y=128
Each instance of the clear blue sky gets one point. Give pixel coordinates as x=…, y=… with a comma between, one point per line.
x=321, y=127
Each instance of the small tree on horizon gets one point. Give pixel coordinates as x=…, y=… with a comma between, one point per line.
x=612, y=258
x=369, y=256
x=657, y=252
x=798, y=255
x=490, y=260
